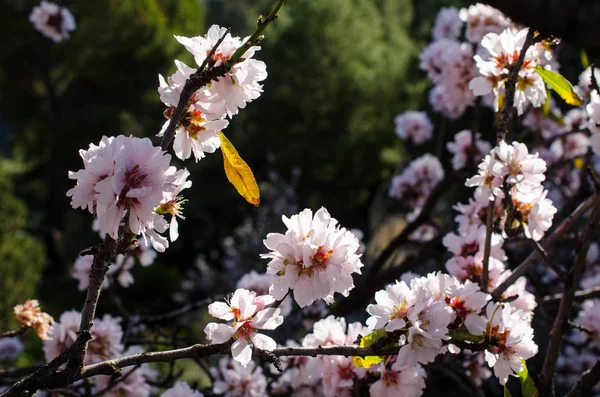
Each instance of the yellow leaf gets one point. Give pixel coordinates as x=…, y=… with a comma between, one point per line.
x=367, y=341
x=560, y=85
x=238, y=172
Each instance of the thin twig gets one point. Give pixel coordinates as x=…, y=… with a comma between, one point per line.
x=548, y=371
x=487, y=248
x=579, y=295
x=529, y=262
x=586, y=383
x=549, y=261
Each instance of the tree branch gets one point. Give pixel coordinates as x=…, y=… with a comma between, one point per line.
x=548, y=372
x=487, y=248
x=579, y=295
x=586, y=383
x=529, y=262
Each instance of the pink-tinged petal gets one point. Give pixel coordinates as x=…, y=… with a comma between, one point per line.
x=218, y=333
x=263, y=342
x=303, y=292
x=475, y=324
x=220, y=310
x=279, y=288
x=241, y=351
x=268, y=319
x=395, y=324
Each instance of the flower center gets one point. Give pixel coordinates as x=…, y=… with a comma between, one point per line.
x=390, y=378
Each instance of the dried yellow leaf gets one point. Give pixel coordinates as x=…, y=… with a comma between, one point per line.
x=238, y=172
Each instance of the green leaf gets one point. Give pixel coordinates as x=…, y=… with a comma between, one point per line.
x=507, y=392
x=366, y=341
x=528, y=388
x=546, y=107
x=585, y=61
x=560, y=85
x=463, y=334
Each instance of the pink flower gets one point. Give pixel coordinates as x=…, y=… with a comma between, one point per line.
x=447, y=24
x=315, y=258
x=482, y=19
x=31, y=315
x=414, y=126
x=181, y=389
x=462, y=145
x=52, y=21
x=408, y=382
x=236, y=380
x=248, y=319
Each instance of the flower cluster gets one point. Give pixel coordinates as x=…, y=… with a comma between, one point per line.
x=106, y=337
x=416, y=182
x=233, y=379
x=52, y=21
x=503, y=51
x=129, y=177
x=414, y=126
x=315, y=258
x=181, y=389
x=205, y=114
x=463, y=149
x=424, y=313
x=29, y=314
x=513, y=169
x=248, y=313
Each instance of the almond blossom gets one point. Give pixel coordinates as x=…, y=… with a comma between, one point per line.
x=407, y=382
x=510, y=335
x=447, y=24
x=29, y=314
x=129, y=177
x=462, y=146
x=503, y=51
x=414, y=126
x=248, y=317
x=235, y=380
x=181, y=389
x=52, y=21
x=106, y=337
x=394, y=305
x=416, y=182
x=315, y=258
x=481, y=19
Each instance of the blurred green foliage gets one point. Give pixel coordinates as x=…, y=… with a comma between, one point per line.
x=339, y=71
x=22, y=256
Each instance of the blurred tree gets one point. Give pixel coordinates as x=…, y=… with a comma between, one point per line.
x=22, y=256
x=60, y=97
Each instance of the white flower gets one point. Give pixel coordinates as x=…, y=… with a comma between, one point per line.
x=329, y=331
x=172, y=202
x=415, y=126
x=408, y=382
x=106, y=337
x=424, y=340
x=127, y=174
x=239, y=86
x=10, y=348
x=488, y=183
x=416, y=182
x=502, y=53
x=447, y=24
x=482, y=19
x=261, y=283
x=461, y=148
x=247, y=321
x=511, y=338
x=315, y=258
x=235, y=380
x=181, y=389
x=537, y=213
x=52, y=20
x=81, y=271
x=432, y=58
x=394, y=305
